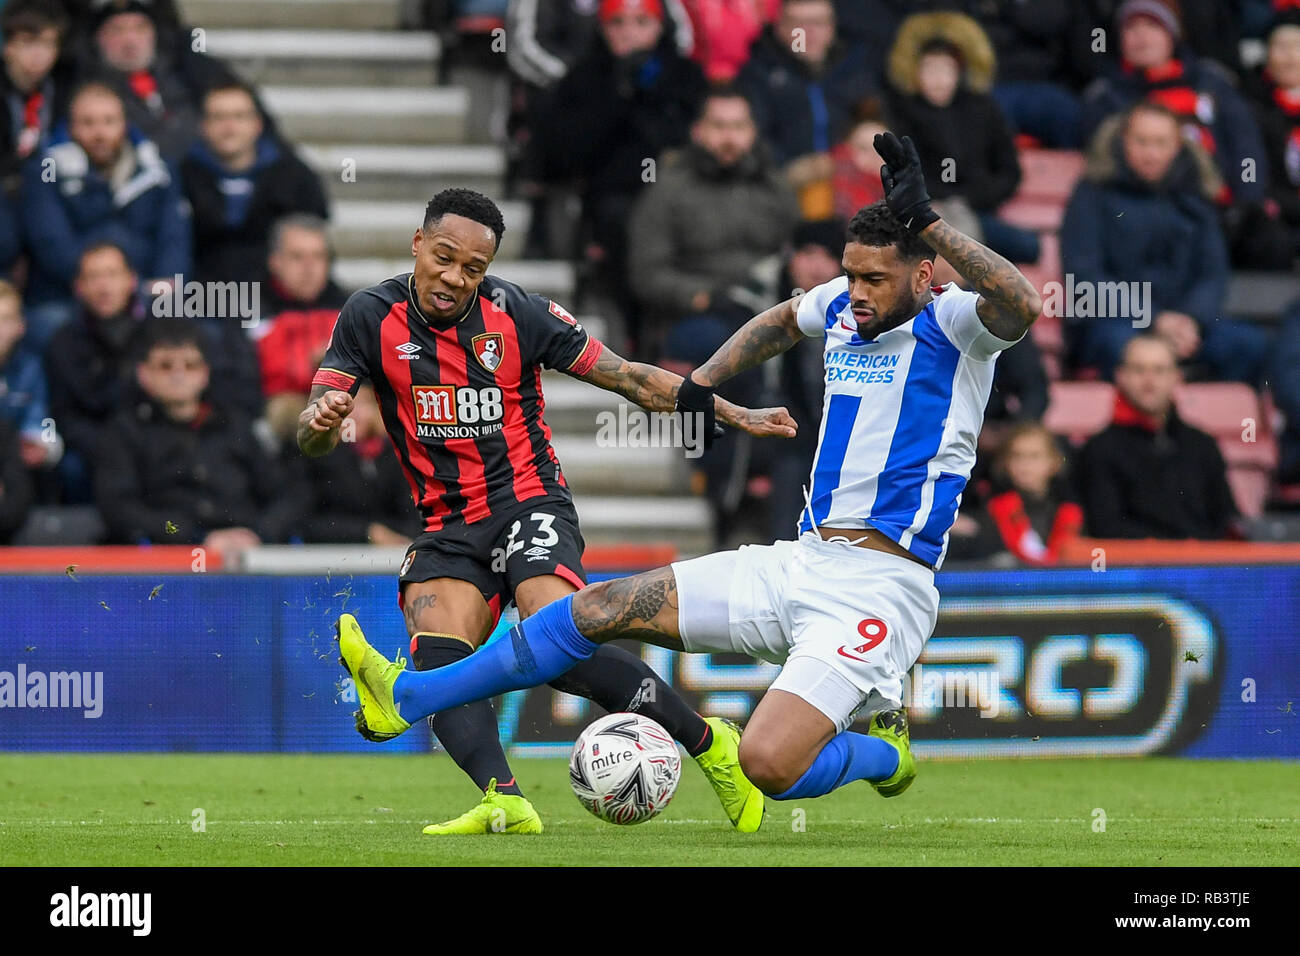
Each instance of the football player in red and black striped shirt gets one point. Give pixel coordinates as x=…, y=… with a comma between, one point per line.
x=456, y=356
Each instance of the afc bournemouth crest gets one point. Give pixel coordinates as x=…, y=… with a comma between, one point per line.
x=489, y=349
x=406, y=563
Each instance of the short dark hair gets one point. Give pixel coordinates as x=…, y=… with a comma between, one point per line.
x=33, y=16
x=231, y=86
x=171, y=334
x=468, y=203
x=875, y=225
x=721, y=90
x=94, y=85
x=103, y=245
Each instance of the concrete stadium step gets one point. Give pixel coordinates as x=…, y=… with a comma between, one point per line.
x=400, y=114
x=329, y=57
x=591, y=468
x=330, y=14
x=383, y=228
x=616, y=519
x=396, y=172
x=554, y=280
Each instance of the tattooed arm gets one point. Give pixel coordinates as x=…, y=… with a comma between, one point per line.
x=765, y=336
x=655, y=389
x=1008, y=303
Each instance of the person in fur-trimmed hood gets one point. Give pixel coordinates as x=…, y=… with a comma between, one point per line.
x=940, y=71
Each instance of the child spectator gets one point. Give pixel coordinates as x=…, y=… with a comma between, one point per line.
x=24, y=399
x=1031, y=518
x=855, y=176
x=103, y=183
x=941, y=68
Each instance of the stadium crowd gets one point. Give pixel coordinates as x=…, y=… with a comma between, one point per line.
x=715, y=149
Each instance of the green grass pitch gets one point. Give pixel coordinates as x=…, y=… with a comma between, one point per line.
x=113, y=809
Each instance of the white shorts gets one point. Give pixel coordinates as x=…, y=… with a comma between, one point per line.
x=846, y=622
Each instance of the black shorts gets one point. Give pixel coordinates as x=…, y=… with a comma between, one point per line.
x=540, y=536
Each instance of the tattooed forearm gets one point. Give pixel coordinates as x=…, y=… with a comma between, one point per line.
x=766, y=335
x=649, y=386
x=1009, y=302
x=642, y=607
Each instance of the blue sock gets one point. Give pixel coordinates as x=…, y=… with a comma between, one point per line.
x=535, y=651
x=845, y=758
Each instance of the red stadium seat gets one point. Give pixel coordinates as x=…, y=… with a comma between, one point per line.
x=1078, y=410
x=1220, y=408
x=1050, y=173
x=1029, y=212
x=1250, y=488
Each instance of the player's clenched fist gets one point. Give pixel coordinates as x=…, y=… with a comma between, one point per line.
x=330, y=410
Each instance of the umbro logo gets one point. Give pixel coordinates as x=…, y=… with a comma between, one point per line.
x=406, y=351
x=537, y=553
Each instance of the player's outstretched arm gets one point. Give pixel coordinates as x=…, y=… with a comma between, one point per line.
x=655, y=389
x=319, y=424
x=765, y=336
x=1009, y=304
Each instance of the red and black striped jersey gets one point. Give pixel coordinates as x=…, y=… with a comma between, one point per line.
x=462, y=401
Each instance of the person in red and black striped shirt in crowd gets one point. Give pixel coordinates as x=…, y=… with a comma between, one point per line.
x=455, y=357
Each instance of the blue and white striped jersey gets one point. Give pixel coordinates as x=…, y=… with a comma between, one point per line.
x=901, y=417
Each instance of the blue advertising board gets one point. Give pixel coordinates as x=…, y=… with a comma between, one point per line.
x=1201, y=662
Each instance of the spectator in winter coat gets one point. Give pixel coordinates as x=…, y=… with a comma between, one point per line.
x=175, y=467
x=613, y=116
x=88, y=364
x=301, y=303
x=717, y=211
x=358, y=495
x=1274, y=92
x=1156, y=65
x=1169, y=250
x=155, y=70
x=239, y=179
x=1149, y=474
x=941, y=68
x=1029, y=40
x=24, y=397
x=15, y=484
x=103, y=183
x=804, y=84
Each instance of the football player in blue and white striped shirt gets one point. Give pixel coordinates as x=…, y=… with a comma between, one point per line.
x=847, y=607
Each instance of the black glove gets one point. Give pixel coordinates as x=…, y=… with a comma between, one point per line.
x=904, y=182
x=693, y=398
